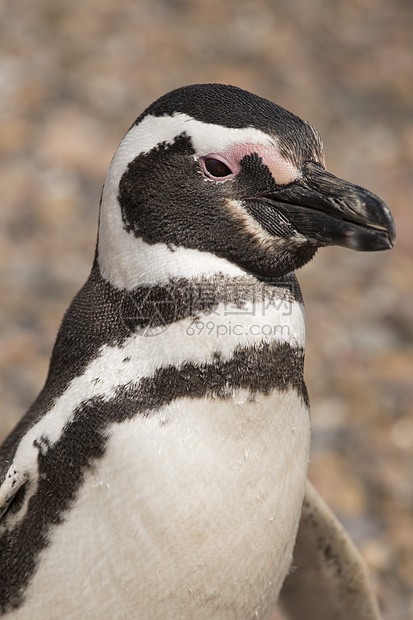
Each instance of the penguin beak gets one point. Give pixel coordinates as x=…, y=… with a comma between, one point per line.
x=332, y=211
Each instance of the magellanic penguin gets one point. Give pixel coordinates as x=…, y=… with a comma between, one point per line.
x=161, y=472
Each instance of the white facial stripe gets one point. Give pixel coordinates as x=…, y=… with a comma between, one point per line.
x=205, y=137
x=127, y=262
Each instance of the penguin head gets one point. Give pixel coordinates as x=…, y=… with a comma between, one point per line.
x=220, y=172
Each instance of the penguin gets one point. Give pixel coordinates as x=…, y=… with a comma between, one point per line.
x=162, y=470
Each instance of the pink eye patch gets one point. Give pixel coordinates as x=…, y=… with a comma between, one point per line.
x=282, y=171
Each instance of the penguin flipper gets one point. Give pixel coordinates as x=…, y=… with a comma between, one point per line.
x=329, y=578
x=11, y=482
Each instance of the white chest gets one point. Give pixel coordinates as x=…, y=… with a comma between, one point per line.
x=192, y=513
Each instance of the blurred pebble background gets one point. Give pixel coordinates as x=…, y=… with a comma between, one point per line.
x=74, y=76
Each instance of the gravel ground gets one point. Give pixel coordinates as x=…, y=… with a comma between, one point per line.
x=73, y=77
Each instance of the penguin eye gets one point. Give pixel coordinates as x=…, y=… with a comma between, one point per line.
x=215, y=168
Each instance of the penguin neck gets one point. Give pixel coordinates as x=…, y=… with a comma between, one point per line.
x=127, y=262
x=103, y=314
